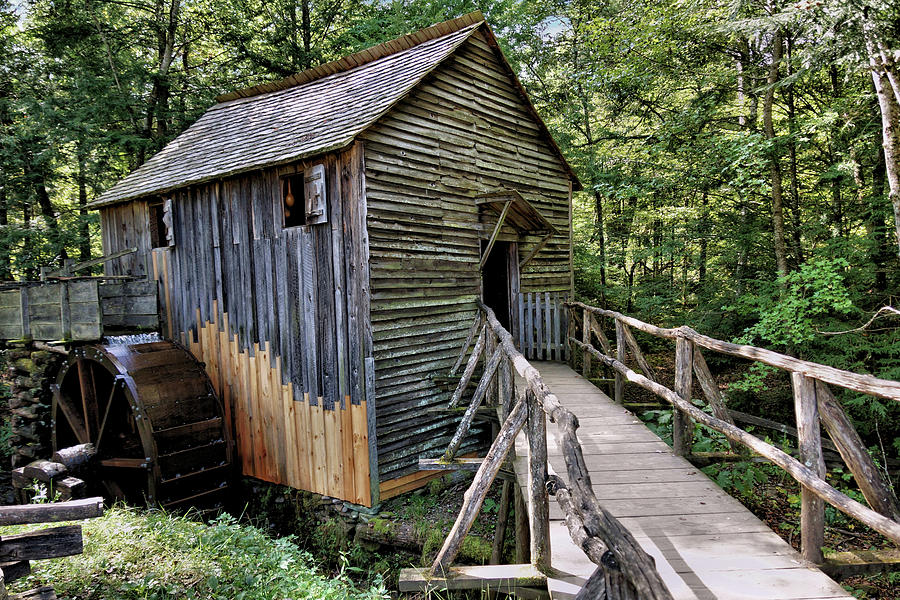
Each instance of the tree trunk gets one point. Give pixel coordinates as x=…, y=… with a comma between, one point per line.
x=740, y=268
x=292, y=17
x=741, y=84
x=84, y=232
x=882, y=73
x=704, y=240
x=792, y=157
x=27, y=255
x=775, y=158
x=601, y=241
x=157, y=108
x=751, y=83
x=5, y=273
x=836, y=199
x=307, y=34
x=881, y=242
x=50, y=217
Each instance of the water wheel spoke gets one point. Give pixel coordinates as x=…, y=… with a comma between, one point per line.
x=109, y=403
x=88, y=388
x=124, y=463
x=73, y=417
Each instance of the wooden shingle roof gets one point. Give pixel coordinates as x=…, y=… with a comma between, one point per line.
x=316, y=111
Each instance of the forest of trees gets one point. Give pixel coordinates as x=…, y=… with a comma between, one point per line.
x=741, y=161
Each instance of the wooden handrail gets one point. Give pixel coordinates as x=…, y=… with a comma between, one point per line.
x=611, y=546
x=800, y=472
x=813, y=402
x=638, y=567
x=867, y=384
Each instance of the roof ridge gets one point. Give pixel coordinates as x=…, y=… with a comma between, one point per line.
x=357, y=59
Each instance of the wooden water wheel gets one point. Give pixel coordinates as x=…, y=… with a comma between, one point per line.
x=149, y=409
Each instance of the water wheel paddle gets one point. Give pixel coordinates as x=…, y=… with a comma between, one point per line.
x=151, y=412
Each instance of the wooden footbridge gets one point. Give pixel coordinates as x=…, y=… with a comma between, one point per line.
x=632, y=518
x=706, y=544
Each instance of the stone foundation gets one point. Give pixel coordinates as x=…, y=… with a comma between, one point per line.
x=30, y=373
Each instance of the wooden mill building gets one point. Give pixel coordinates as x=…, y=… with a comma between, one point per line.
x=320, y=243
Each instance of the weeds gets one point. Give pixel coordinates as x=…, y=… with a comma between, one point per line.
x=131, y=554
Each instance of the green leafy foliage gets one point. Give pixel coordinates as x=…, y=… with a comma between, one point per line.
x=792, y=317
x=131, y=554
x=737, y=477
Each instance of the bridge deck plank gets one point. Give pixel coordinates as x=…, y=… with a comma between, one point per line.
x=707, y=546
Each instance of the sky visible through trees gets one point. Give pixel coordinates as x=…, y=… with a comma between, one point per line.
x=741, y=161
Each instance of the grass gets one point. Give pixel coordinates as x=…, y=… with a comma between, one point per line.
x=132, y=554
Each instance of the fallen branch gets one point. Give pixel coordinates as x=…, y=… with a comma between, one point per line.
x=881, y=311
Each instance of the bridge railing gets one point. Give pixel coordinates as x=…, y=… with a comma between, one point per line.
x=624, y=570
x=814, y=404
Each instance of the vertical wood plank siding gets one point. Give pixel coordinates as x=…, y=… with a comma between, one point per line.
x=278, y=316
x=126, y=226
x=465, y=130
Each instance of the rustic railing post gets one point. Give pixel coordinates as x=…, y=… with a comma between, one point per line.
x=490, y=344
x=505, y=391
x=570, y=331
x=470, y=367
x=506, y=387
x=523, y=536
x=538, y=498
x=648, y=371
x=475, y=495
x=615, y=584
x=463, y=428
x=473, y=331
x=620, y=356
x=842, y=432
x=682, y=425
x=586, y=338
x=812, y=508
x=712, y=393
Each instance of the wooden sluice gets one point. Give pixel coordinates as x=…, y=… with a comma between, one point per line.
x=633, y=518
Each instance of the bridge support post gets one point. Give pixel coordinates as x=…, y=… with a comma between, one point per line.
x=523, y=536
x=538, y=498
x=812, y=508
x=619, y=395
x=682, y=425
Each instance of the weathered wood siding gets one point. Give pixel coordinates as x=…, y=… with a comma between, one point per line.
x=465, y=130
x=279, y=317
x=127, y=226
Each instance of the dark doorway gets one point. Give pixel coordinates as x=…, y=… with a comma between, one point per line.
x=496, y=281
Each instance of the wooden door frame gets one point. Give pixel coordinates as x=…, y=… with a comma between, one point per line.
x=512, y=269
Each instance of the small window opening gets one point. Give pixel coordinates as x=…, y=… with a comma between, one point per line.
x=303, y=199
x=293, y=200
x=161, y=235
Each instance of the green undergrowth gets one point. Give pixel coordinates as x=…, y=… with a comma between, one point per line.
x=151, y=555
